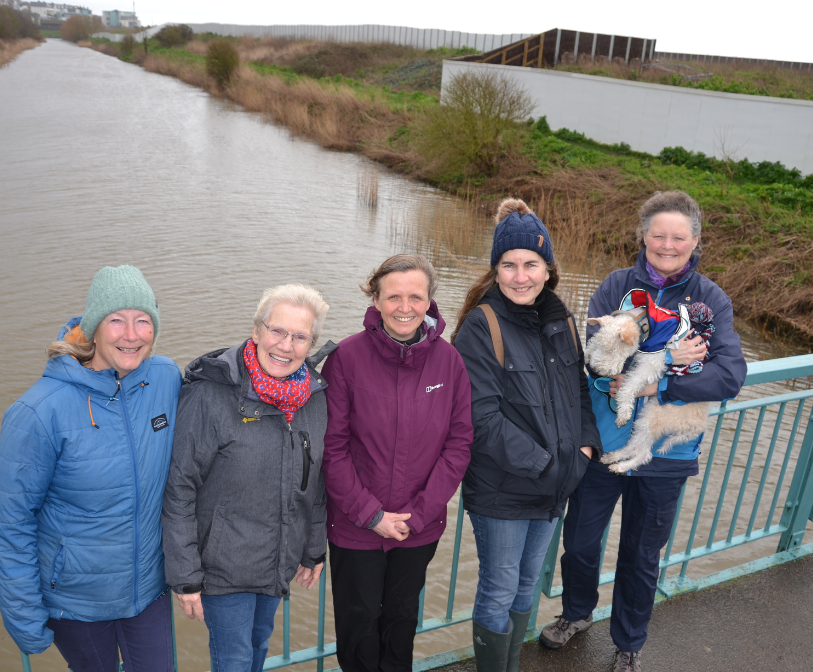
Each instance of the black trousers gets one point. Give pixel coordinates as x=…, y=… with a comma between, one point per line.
x=648, y=508
x=375, y=605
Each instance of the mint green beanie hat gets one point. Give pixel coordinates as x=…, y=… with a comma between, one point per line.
x=119, y=288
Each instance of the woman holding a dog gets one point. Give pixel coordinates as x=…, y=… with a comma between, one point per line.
x=84, y=456
x=534, y=428
x=244, y=508
x=397, y=444
x=666, y=268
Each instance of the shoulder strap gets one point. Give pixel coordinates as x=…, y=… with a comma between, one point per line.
x=572, y=325
x=496, y=334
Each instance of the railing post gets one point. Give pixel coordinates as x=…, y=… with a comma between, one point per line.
x=800, y=496
x=26, y=662
x=545, y=581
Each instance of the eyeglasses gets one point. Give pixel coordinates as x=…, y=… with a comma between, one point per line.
x=278, y=335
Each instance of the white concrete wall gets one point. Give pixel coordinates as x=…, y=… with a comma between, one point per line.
x=649, y=117
x=422, y=38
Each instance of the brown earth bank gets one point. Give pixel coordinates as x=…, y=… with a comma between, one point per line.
x=758, y=255
x=10, y=49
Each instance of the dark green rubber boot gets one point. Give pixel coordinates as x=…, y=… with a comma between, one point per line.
x=520, y=627
x=491, y=648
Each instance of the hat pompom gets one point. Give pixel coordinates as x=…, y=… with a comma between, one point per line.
x=509, y=205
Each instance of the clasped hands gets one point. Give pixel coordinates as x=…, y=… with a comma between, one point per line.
x=393, y=526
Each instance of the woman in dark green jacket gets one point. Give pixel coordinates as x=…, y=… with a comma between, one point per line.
x=534, y=428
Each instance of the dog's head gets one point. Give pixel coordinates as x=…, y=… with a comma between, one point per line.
x=613, y=344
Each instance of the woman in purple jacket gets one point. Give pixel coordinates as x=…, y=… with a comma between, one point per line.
x=396, y=448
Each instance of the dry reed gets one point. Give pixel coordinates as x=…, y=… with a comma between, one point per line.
x=367, y=185
x=10, y=49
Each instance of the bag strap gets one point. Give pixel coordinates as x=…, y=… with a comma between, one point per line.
x=572, y=325
x=496, y=334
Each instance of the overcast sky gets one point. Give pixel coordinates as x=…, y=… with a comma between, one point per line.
x=778, y=29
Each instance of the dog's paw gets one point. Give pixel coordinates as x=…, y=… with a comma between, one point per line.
x=607, y=458
x=618, y=468
x=622, y=418
x=664, y=449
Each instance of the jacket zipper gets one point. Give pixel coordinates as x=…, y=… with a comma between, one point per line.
x=131, y=443
x=59, y=564
x=307, y=460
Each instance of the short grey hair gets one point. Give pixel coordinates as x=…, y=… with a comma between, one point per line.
x=294, y=294
x=400, y=263
x=670, y=201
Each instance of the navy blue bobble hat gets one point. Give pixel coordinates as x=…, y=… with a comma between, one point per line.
x=520, y=229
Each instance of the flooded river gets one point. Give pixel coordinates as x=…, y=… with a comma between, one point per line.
x=102, y=163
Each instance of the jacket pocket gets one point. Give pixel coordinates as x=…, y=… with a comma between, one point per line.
x=522, y=384
x=212, y=537
x=57, y=567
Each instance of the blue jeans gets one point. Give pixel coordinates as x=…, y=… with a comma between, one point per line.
x=239, y=625
x=511, y=553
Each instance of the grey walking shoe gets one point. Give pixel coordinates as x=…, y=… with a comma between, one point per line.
x=491, y=648
x=558, y=633
x=627, y=661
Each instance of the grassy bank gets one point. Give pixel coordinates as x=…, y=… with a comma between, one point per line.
x=10, y=49
x=752, y=79
x=758, y=236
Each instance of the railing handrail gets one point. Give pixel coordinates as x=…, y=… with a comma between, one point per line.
x=773, y=370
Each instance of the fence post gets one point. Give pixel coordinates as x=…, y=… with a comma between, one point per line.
x=643, y=52
x=799, y=503
x=576, y=49
x=612, y=45
x=629, y=46
x=558, y=42
x=593, y=52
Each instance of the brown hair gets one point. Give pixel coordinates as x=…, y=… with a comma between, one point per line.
x=401, y=263
x=488, y=280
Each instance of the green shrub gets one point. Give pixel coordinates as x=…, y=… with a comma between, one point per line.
x=127, y=47
x=174, y=36
x=570, y=136
x=221, y=61
x=15, y=25
x=480, y=121
x=543, y=126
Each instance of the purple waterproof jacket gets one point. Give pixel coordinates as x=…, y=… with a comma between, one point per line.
x=399, y=433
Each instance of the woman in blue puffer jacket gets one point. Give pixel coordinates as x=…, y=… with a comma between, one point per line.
x=84, y=457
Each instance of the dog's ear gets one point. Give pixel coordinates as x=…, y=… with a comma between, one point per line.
x=629, y=332
x=598, y=320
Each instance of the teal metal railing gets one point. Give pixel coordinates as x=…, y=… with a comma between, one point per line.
x=771, y=419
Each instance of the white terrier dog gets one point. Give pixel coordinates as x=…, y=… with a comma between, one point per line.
x=618, y=339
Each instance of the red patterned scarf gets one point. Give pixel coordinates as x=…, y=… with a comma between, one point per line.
x=287, y=395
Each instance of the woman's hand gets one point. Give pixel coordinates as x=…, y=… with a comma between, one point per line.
x=689, y=350
x=191, y=605
x=393, y=526
x=617, y=381
x=587, y=450
x=308, y=577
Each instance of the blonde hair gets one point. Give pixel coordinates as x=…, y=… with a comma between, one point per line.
x=294, y=294
x=81, y=351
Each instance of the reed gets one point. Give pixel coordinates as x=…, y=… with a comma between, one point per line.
x=367, y=185
x=10, y=49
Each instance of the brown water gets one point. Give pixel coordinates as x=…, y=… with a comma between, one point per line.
x=102, y=163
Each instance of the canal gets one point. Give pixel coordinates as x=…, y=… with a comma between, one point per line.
x=102, y=163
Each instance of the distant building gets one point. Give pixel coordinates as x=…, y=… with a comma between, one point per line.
x=52, y=11
x=118, y=19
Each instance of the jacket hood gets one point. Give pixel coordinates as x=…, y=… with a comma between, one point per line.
x=642, y=274
x=66, y=369
x=223, y=366
x=433, y=324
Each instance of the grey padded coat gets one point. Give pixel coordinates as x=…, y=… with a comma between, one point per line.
x=245, y=500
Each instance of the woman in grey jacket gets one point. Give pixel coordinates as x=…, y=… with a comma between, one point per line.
x=244, y=508
x=534, y=428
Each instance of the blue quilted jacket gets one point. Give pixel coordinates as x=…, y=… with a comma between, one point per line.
x=84, y=459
